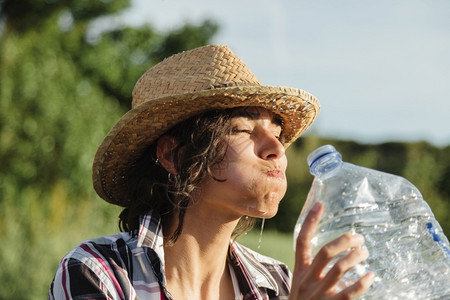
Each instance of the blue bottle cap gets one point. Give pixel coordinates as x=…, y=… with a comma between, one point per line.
x=325, y=153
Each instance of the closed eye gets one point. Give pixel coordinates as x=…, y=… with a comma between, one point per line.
x=241, y=130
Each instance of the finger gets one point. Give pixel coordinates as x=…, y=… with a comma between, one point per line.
x=303, y=252
x=358, y=288
x=343, y=265
x=334, y=248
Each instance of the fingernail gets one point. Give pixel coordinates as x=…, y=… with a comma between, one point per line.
x=316, y=207
x=371, y=275
x=360, y=238
x=364, y=252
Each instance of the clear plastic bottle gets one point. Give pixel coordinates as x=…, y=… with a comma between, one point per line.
x=409, y=252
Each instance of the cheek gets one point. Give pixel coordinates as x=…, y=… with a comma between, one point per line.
x=277, y=193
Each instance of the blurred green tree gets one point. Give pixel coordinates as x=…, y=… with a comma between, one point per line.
x=61, y=90
x=63, y=87
x=53, y=80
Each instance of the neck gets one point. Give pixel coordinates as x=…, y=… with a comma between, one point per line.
x=196, y=265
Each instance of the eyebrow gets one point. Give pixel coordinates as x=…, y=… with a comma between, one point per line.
x=254, y=115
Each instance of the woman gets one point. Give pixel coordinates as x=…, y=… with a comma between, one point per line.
x=197, y=158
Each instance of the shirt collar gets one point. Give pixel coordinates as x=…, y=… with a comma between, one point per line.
x=249, y=262
x=150, y=234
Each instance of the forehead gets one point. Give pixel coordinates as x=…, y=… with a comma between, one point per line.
x=257, y=113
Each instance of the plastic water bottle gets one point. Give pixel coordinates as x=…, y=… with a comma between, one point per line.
x=409, y=253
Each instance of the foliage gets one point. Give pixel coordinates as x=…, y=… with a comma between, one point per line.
x=24, y=15
x=61, y=90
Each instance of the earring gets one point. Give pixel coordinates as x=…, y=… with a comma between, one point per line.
x=157, y=161
x=170, y=177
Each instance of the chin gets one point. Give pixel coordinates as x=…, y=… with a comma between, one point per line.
x=271, y=214
x=268, y=213
x=266, y=207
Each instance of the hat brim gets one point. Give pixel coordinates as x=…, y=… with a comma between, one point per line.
x=142, y=125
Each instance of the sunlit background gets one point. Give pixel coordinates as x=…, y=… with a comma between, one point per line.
x=67, y=68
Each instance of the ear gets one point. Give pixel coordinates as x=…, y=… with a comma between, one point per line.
x=164, y=152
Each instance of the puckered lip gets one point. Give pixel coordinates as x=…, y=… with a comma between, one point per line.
x=276, y=173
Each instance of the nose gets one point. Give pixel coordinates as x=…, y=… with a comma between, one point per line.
x=271, y=147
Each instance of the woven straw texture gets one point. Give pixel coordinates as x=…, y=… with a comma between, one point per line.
x=181, y=86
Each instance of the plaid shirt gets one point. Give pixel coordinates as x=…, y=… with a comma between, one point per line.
x=125, y=266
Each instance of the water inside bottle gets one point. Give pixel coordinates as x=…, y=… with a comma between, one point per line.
x=408, y=251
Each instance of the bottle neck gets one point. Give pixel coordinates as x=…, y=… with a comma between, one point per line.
x=324, y=160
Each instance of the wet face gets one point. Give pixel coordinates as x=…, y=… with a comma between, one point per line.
x=254, y=167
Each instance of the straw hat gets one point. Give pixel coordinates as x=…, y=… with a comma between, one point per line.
x=179, y=87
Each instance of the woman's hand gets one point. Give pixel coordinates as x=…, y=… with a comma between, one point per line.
x=308, y=281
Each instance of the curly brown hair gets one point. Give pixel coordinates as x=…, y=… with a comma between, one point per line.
x=201, y=144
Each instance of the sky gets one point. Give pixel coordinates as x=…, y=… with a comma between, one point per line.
x=380, y=68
